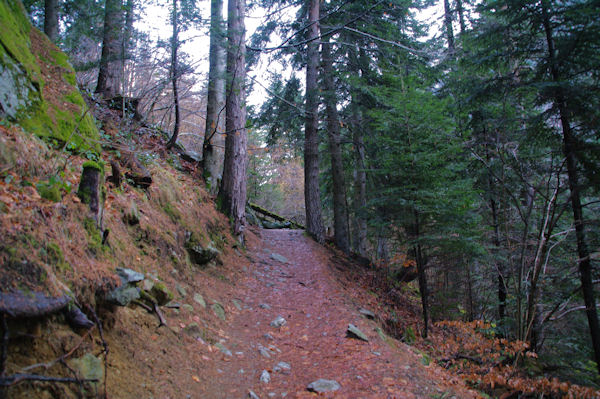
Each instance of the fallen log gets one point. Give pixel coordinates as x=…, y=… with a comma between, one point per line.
x=35, y=304
x=275, y=216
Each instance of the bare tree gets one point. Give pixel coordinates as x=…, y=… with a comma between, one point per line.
x=312, y=197
x=232, y=192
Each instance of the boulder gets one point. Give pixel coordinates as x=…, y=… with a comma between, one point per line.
x=322, y=385
x=123, y=295
x=354, y=332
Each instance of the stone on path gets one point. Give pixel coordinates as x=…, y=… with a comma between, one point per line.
x=367, y=313
x=264, y=306
x=265, y=377
x=223, y=349
x=252, y=395
x=279, y=258
x=282, y=366
x=278, y=322
x=354, y=332
x=322, y=385
x=264, y=352
x=237, y=304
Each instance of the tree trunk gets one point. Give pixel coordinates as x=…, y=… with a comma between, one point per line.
x=340, y=211
x=461, y=16
x=569, y=145
x=232, y=192
x=174, y=77
x=110, y=75
x=360, y=190
x=312, y=197
x=213, y=150
x=90, y=190
x=448, y=26
x=418, y=254
x=51, y=19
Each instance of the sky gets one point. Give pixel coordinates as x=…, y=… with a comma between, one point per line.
x=156, y=22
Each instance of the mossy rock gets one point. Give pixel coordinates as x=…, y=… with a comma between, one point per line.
x=161, y=293
x=54, y=108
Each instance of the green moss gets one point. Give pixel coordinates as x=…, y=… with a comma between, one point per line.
x=14, y=36
x=49, y=191
x=23, y=81
x=99, y=166
x=56, y=258
x=172, y=212
x=94, y=236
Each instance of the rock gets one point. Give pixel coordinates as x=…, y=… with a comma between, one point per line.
x=129, y=276
x=147, y=285
x=88, y=367
x=252, y=395
x=279, y=258
x=123, y=295
x=265, y=377
x=282, y=366
x=30, y=304
x=188, y=307
x=278, y=322
x=264, y=306
x=322, y=385
x=191, y=156
x=219, y=311
x=223, y=349
x=237, y=304
x=200, y=300
x=367, y=313
x=200, y=255
x=76, y=318
x=268, y=337
x=193, y=330
x=354, y=332
x=181, y=290
x=132, y=216
x=161, y=293
x=264, y=352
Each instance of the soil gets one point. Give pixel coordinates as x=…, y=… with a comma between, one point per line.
x=318, y=307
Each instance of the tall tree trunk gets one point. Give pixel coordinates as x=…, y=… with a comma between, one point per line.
x=418, y=254
x=110, y=75
x=569, y=145
x=51, y=19
x=461, y=16
x=232, y=193
x=448, y=26
x=213, y=150
x=360, y=189
x=174, y=73
x=340, y=211
x=312, y=197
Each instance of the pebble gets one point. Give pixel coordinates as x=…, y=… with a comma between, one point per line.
x=281, y=366
x=252, y=395
x=265, y=377
x=278, y=322
x=264, y=306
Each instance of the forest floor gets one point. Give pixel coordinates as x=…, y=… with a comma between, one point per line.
x=292, y=277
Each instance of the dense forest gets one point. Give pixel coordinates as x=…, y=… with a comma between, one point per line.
x=457, y=155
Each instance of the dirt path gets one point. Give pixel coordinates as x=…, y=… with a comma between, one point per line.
x=302, y=288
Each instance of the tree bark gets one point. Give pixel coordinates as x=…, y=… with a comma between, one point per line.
x=569, y=146
x=461, y=16
x=51, y=19
x=110, y=75
x=232, y=192
x=448, y=26
x=312, y=197
x=340, y=211
x=174, y=77
x=418, y=254
x=213, y=150
x=360, y=189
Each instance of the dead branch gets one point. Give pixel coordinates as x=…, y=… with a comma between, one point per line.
x=161, y=317
x=16, y=378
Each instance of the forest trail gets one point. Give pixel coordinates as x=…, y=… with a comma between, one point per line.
x=292, y=276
